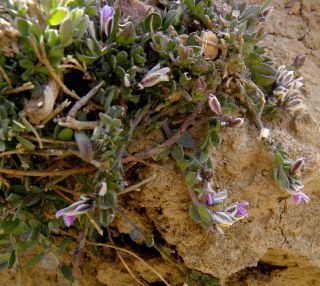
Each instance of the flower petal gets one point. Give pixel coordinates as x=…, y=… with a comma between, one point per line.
x=68, y=220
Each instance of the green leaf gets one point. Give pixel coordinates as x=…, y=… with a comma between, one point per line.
x=251, y=12
x=65, y=32
x=182, y=164
x=170, y=19
x=163, y=155
x=65, y=134
x=26, y=143
x=127, y=36
x=190, y=4
x=205, y=215
x=14, y=198
x=120, y=72
x=187, y=141
x=111, y=199
x=106, y=217
x=23, y=26
x=255, y=58
x=35, y=260
x=67, y=273
x=8, y=226
x=63, y=245
x=53, y=37
x=281, y=177
x=24, y=245
x=122, y=57
x=278, y=159
x=263, y=69
x=26, y=64
x=193, y=210
x=32, y=199
x=177, y=152
x=87, y=59
x=263, y=80
x=156, y=21
x=12, y=259
x=4, y=257
x=57, y=16
x=191, y=178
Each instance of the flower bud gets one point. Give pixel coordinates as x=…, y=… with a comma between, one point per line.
x=84, y=145
x=102, y=189
x=200, y=85
x=235, y=122
x=267, y=12
x=298, y=61
x=106, y=19
x=215, y=105
x=297, y=166
x=126, y=80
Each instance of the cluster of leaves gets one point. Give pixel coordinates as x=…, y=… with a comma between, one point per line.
x=82, y=86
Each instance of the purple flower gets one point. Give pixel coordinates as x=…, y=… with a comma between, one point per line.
x=68, y=220
x=302, y=196
x=241, y=211
x=106, y=19
x=215, y=198
x=70, y=213
x=209, y=199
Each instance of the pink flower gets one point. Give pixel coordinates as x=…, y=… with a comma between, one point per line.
x=302, y=196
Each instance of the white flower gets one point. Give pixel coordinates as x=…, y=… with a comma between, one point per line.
x=154, y=76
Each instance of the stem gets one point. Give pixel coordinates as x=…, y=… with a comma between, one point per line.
x=47, y=140
x=78, y=125
x=53, y=173
x=251, y=106
x=96, y=226
x=45, y=153
x=55, y=112
x=42, y=57
x=136, y=186
x=169, y=142
x=81, y=102
x=193, y=197
x=34, y=131
x=24, y=87
x=5, y=76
